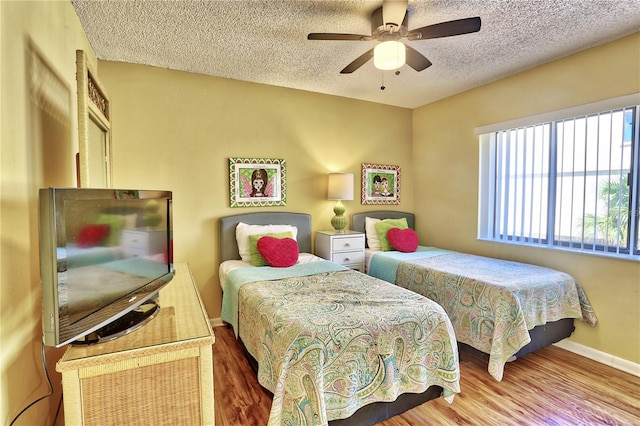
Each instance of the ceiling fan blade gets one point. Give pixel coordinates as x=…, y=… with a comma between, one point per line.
x=337, y=36
x=446, y=29
x=360, y=61
x=416, y=60
x=393, y=11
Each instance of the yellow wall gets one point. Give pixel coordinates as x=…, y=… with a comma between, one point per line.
x=446, y=155
x=33, y=145
x=174, y=130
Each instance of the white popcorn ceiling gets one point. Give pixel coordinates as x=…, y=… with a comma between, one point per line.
x=266, y=41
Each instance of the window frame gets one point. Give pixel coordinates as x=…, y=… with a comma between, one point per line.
x=487, y=171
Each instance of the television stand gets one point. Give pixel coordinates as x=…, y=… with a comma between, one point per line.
x=161, y=373
x=129, y=322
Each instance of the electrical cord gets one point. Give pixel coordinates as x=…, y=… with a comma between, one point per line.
x=55, y=419
x=46, y=374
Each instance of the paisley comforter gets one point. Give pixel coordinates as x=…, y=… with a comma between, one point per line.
x=328, y=343
x=492, y=303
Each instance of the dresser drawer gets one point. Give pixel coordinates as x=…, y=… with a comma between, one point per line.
x=348, y=257
x=347, y=243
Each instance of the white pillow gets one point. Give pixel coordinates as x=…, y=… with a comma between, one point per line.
x=243, y=231
x=373, y=241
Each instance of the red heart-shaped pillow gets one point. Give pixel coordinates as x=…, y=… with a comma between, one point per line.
x=92, y=235
x=278, y=252
x=405, y=240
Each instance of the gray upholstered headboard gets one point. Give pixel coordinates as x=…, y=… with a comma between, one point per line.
x=227, y=236
x=358, y=219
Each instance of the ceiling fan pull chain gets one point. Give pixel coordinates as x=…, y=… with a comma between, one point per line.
x=382, y=86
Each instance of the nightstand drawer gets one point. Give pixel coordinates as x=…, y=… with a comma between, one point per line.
x=143, y=242
x=347, y=243
x=348, y=257
x=135, y=252
x=135, y=239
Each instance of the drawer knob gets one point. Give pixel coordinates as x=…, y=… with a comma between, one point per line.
x=347, y=259
x=347, y=245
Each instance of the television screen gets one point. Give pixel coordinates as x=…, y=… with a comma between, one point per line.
x=104, y=255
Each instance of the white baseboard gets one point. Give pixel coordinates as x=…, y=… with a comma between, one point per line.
x=585, y=351
x=216, y=322
x=601, y=357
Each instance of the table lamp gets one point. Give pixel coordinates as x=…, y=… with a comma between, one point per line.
x=340, y=188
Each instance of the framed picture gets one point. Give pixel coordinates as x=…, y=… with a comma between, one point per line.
x=380, y=184
x=257, y=182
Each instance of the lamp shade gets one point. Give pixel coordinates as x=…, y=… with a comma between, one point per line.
x=389, y=55
x=340, y=186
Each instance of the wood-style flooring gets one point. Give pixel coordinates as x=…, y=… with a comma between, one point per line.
x=549, y=387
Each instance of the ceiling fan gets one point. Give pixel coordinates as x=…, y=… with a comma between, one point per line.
x=389, y=24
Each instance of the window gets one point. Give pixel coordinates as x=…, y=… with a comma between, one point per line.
x=568, y=181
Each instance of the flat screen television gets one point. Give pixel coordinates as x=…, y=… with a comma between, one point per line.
x=104, y=256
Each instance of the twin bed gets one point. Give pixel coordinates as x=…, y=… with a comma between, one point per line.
x=333, y=345
x=502, y=308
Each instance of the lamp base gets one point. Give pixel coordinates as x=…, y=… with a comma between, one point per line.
x=339, y=221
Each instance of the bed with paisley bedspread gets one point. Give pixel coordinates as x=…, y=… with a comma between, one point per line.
x=333, y=345
x=496, y=306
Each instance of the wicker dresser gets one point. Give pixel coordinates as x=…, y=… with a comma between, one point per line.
x=160, y=374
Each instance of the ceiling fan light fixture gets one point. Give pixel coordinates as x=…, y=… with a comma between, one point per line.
x=389, y=55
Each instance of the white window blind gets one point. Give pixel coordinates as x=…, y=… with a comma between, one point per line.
x=569, y=182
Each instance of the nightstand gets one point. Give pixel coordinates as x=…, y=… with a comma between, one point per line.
x=139, y=242
x=346, y=249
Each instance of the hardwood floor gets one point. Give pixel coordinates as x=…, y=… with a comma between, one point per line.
x=549, y=387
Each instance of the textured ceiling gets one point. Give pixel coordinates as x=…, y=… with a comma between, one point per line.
x=266, y=41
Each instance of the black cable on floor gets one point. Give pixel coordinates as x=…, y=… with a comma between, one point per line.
x=46, y=374
x=55, y=419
